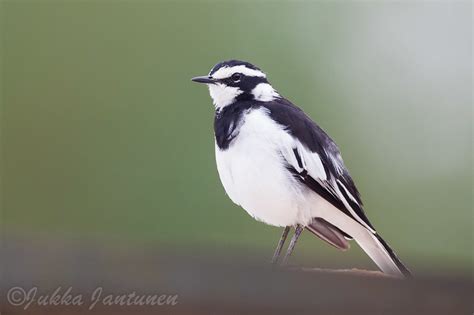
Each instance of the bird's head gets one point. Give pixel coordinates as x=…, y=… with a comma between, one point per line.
x=234, y=80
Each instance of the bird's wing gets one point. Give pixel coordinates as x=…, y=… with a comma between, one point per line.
x=315, y=160
x=313, y=170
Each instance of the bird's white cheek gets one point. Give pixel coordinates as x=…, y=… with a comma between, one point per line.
x=264, y=92
x=223, y=95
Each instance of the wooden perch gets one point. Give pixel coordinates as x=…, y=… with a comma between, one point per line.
x=210, y=284
x=349, y=272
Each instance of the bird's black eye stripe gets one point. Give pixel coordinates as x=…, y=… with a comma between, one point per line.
x=236, y=77
x=233, y=79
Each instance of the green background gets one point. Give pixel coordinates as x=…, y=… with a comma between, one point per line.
x=104, y=138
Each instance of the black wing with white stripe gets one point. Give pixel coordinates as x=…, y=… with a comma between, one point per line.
x=316, y=160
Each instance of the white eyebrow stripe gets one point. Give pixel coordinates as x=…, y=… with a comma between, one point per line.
x=226, y=72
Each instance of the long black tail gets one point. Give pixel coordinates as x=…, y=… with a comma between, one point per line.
x=406, y=272
x=380, y=252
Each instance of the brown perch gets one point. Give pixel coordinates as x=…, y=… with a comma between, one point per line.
x=210, y=284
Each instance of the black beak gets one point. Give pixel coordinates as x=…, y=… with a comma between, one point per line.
x=204, y=79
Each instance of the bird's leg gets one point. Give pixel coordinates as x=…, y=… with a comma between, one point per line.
x=298, y=230
x=276, y=255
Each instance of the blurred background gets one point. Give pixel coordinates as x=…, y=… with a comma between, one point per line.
x=106, y=143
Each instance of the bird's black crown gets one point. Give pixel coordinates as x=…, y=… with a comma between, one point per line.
x=232, y=63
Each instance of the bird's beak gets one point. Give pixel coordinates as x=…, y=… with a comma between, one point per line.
x=204, y=79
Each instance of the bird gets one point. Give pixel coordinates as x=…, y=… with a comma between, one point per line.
x=283, y=169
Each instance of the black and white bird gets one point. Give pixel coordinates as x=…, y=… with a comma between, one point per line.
x=283, y=169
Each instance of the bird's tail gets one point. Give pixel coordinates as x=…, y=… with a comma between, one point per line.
x=382, y=254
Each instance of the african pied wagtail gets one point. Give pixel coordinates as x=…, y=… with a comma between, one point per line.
x=283, y=169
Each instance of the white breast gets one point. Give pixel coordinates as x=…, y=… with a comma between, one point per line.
x=253, y=173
